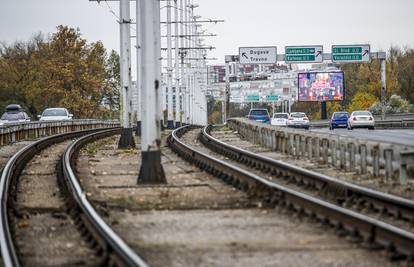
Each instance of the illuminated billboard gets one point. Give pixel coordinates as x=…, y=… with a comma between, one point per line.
x=321, y=86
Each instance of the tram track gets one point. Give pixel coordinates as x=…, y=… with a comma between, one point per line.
x=46, y=218
x=393, y=209
x=373, y=232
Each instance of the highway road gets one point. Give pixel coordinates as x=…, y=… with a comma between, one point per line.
x=395, y=136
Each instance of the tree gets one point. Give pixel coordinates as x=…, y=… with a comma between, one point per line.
x=362, y=101
x=61, y=71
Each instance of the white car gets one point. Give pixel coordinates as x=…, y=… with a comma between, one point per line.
x=298, y=120
x=280, y=119
x=55, y=114
x=361, y=119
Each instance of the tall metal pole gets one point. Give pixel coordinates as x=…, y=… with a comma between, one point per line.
x=227, y=92
x=187, y=69
x=383, y=86
x=182, y=78
x=126, y=140
x=161, y=93
x=151, y=170
x=139, y=62
x=170, y=110
x=177, y=68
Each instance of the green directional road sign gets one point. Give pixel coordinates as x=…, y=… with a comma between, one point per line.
x=252, y=98
x=272, y=98
x=304, y=54
x=350, y=53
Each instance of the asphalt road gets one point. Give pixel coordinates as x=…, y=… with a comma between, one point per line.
x=395, y=136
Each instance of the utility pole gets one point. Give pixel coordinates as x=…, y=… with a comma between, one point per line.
x=383, y=86
x=126, y=140
x=161, y=93
x=170, y=112
x=182, y=55
x=227, y=94
x=151, y=171
x=177, y=69
x=139, y=62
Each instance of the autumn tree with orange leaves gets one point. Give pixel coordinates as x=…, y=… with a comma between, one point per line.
x=63, y=70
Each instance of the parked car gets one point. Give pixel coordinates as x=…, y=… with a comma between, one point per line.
x=55, y=114
x=14, y=114
x=259, y=114
x=361, y=119
x=280, y=119
x=339, y=120
x=298, y=120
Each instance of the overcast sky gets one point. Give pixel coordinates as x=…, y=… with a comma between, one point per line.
x=380, y=23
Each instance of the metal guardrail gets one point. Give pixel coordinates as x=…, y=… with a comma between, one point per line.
x=373, y=231
x=118, y=253
x=348, y=153
x=381, y=124
x=13, y=132
x=344, y=192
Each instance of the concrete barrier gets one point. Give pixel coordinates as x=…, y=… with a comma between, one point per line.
x=357, y=155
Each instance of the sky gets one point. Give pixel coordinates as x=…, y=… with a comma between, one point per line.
x=381, y=23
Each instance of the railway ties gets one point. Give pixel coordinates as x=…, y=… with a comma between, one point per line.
x=230, y=165
x=45, y=218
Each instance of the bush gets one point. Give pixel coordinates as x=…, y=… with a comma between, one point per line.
x=396, y=104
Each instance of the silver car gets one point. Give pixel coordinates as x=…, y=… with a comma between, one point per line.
x=298, y=120
x=280, y=119
x=55, y=114
x=361, y=119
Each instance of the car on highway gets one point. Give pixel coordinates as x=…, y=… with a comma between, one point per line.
x=298, y=120
x=280, y=119
x=259, y=114
x=361, y=119
x=14, y=114
x=55, y=114
x=339, y=120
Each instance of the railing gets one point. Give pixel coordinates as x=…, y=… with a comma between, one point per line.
x=382, y=124
x=346, y=153
x=10, y=133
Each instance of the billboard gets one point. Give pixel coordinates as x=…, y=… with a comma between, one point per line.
x=321, y=86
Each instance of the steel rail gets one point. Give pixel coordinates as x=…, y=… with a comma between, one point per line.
x=10, y=174
x=345, y=192
x=398, y=242
x=9, y=177
x=117, y=252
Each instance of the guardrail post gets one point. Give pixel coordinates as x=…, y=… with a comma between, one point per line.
x=342, y=156
x=406, y=160
x=284, y=146
x=297, y=146
x=351, y=155
x=274, y=140
x=317, y=149
x=375, y=160
x=363, y=158
x=334, y=160
x=324, y=151
x=291, y=145
x=309, y=143
x=388, y=155
x=303, y=146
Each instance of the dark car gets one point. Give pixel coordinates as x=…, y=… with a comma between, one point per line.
x=259, y=114
x=339, y=120
x=14, y=114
